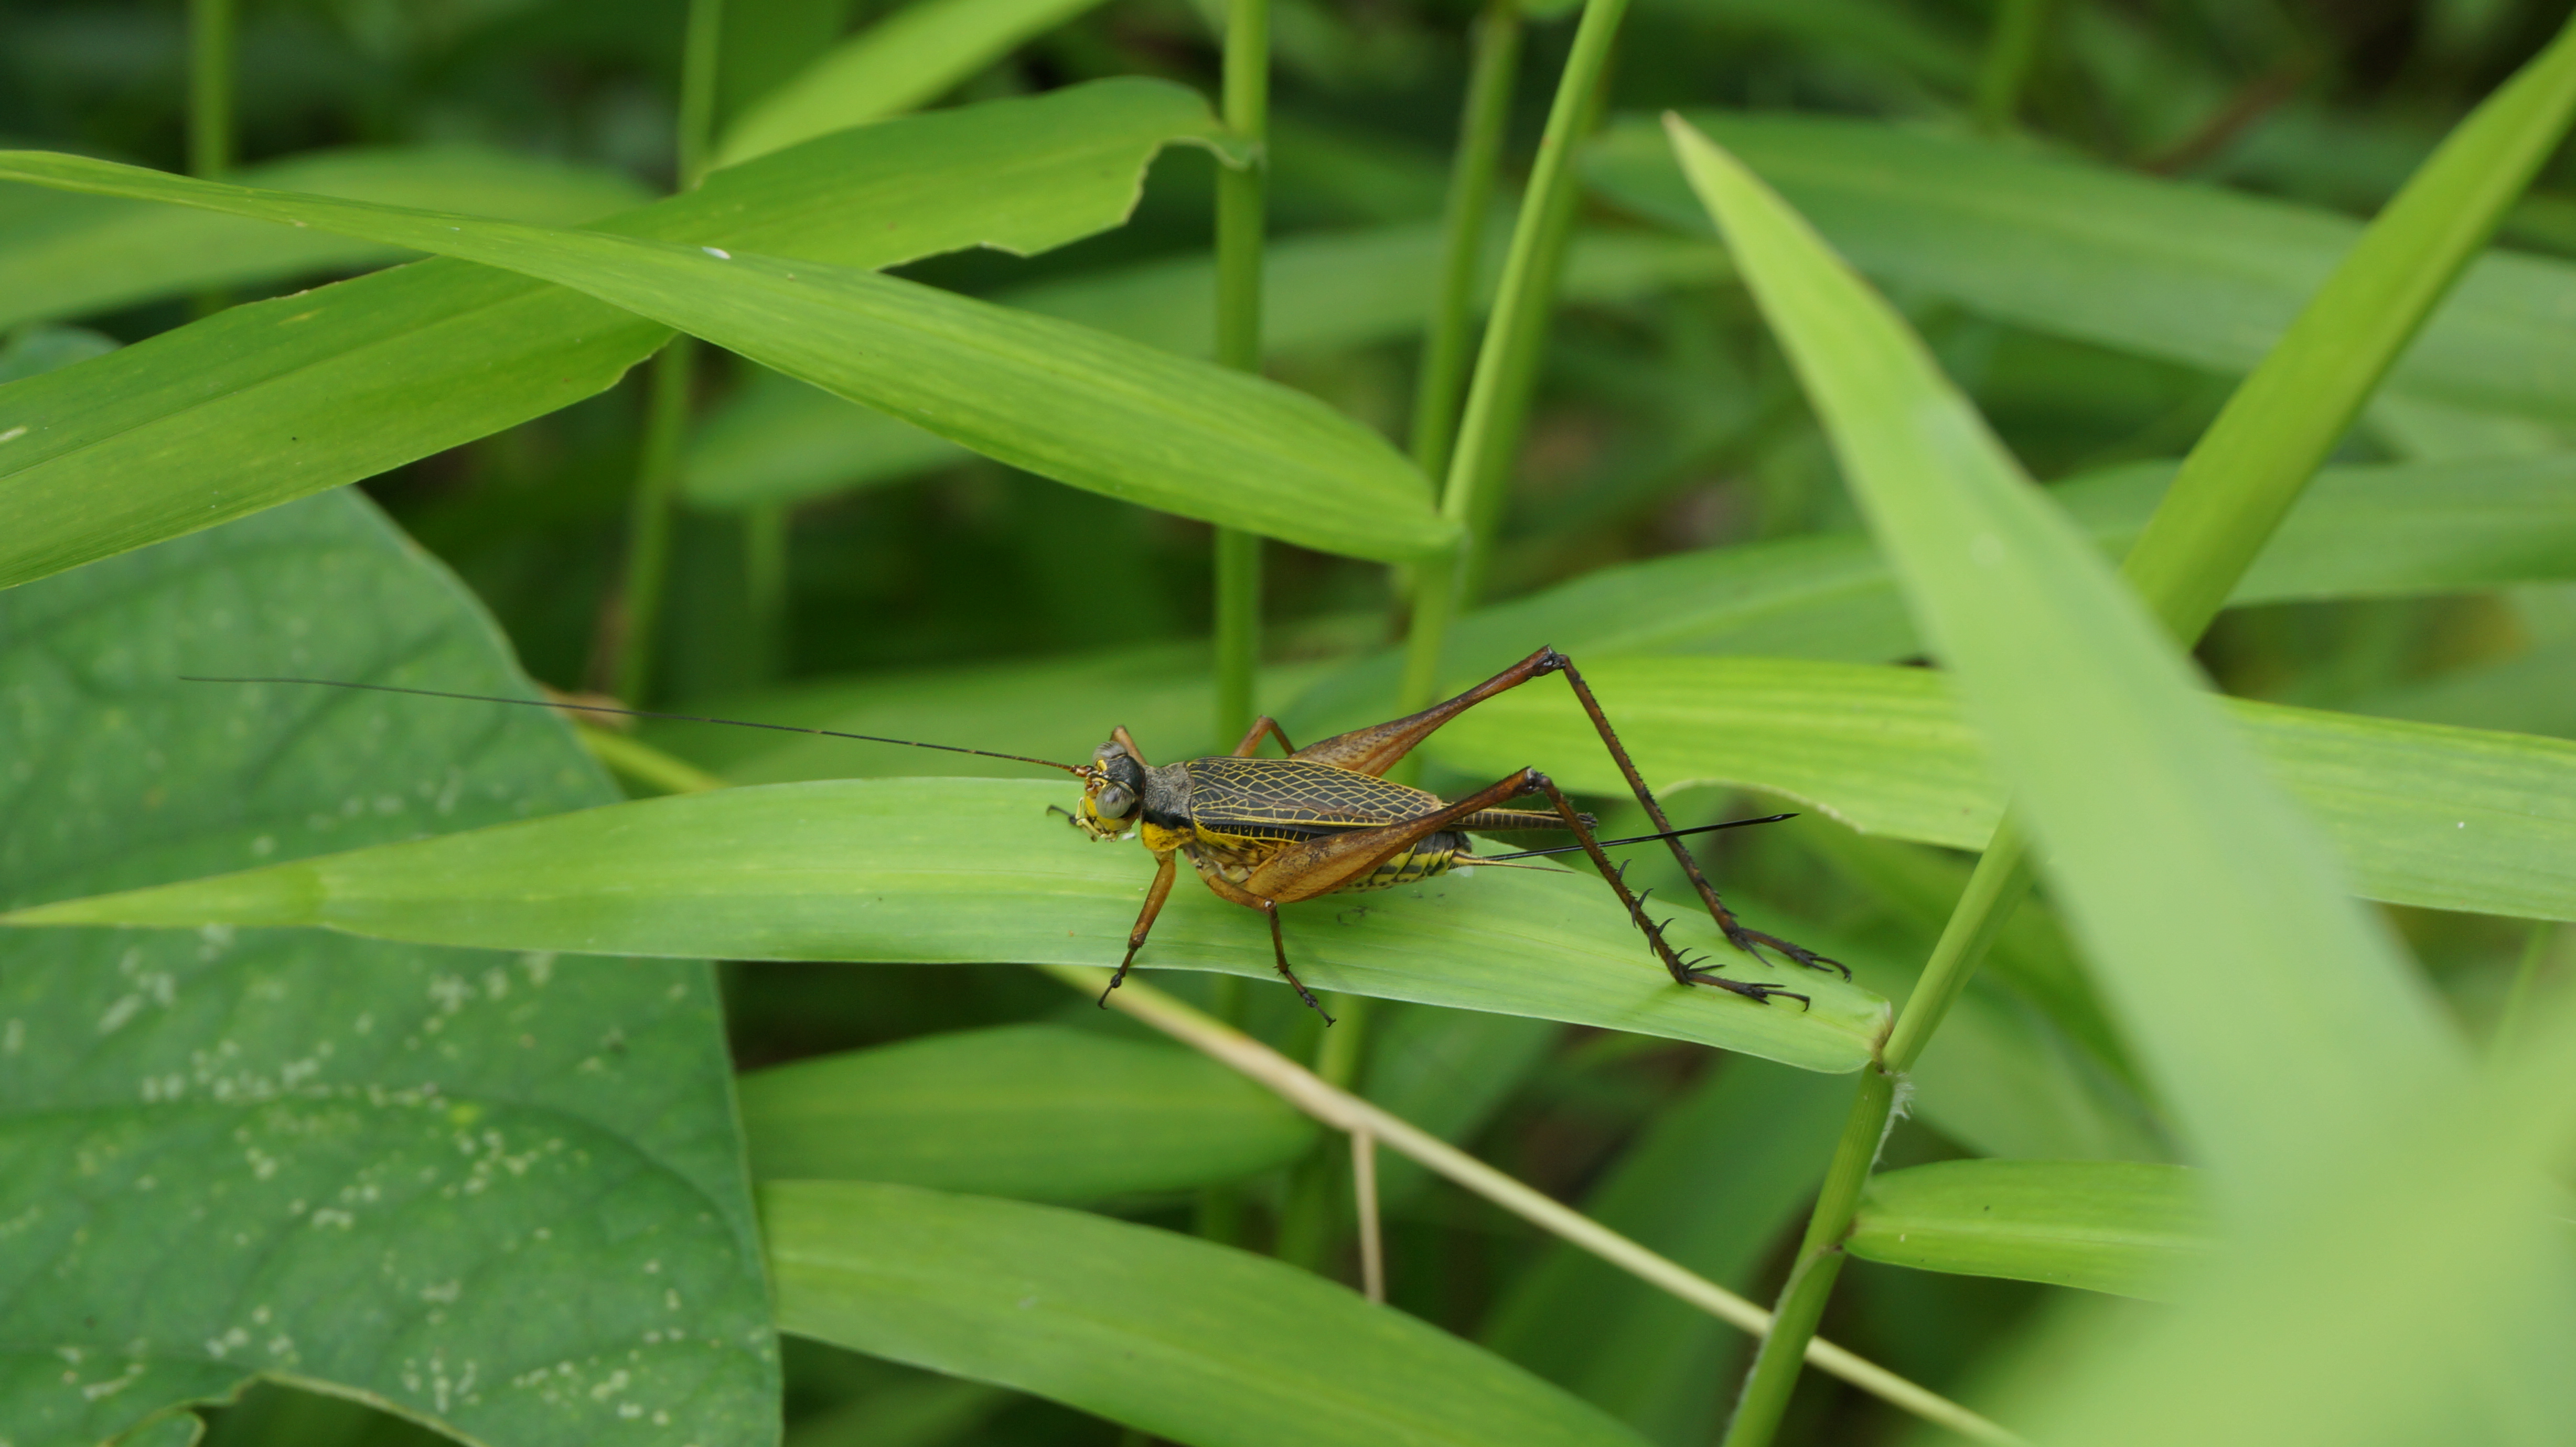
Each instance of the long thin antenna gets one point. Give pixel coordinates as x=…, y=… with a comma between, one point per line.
x=1613, y=843
x=641, y=713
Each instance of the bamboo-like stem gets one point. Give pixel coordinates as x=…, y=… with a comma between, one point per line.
x=2514, y=1021
x=635, y=611
x=1241, y=215
x=1507, y=360
x=212, y=28
x=2234, y=488
x=1495, y=51
x=648, y=520
x=764, y=578
x=2012, y=47
x=213, y=42
x=1344, y=1111
x=1364, y=1201
x=700, y=48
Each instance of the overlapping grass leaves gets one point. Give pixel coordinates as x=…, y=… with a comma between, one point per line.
x=263, y=403
x=1080, y=406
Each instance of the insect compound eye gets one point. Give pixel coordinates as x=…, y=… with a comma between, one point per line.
x=1113, y=802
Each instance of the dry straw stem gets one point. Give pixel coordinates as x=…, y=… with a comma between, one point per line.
x=1344, y=1111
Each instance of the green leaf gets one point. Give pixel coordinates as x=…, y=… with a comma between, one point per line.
x=2362, y=531
x=68, y=256
x=780, y=442
x=959, y=870
x=1083, y=407
x=1711, y=1182
x=2214, y=915
x=261, y=404
x=2446, y=818
x=1183, y=1340
x=2191, y=274
x=2125, y=1227
x=487, y=1191
x=1036, y=1112
x=910, y=57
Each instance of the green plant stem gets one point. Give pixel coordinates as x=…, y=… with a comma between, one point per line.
x=1241, y=203
x=1312, y=1220
x=212, y=26
x=1507, y=360
x=213, y=30
x=1344, y=1111
x=700, y=51
x=764, y=573
x=1495, y=47
x=648, y=523
x=2001, y=879
x=2234, y=488
x=1801, y=1306
x=2012, y=48
x=2513, y=1023
x=1220, y=1207
x=638, y=604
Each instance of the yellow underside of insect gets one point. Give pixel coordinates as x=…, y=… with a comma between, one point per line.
x=1233, y=856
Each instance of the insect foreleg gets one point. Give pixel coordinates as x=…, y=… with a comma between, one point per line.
x=1160, y=890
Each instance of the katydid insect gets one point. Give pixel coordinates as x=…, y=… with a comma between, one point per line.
x=1324, y=820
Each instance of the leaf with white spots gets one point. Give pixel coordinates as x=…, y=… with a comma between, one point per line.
x=498, y=1192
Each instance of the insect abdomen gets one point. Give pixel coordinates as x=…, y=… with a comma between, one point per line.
x=1433, y=855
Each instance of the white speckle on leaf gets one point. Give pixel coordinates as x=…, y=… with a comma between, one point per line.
x=616, y=1382
x=445, y=1291
x=119, y=1013
x=718, y=252
x=13, y=1037
x=13, y=434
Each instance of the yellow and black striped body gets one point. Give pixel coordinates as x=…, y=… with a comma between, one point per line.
x=1229, y=816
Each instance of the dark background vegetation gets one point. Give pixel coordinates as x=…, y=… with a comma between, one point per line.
x=1635, y=448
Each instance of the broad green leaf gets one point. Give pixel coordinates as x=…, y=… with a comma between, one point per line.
x=1711, y=1182
x=66, y=256
x=2428, y=1295
x=499, y=1193
x=2362, y=531
x=946, y=871
x=261, y=404
x=2215, y=917
x=1066, y=402
x=2126, y=1227
x=1037, y=1112
x=2446, y=818
x=781, y=442
x=1190, y=1342
x=908, y=58
x=2191, y=274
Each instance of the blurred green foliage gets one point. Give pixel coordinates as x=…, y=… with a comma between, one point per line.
x=1674, y=495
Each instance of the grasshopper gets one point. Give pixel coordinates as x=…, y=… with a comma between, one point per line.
x=1324, y=820
x=1266, y=832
